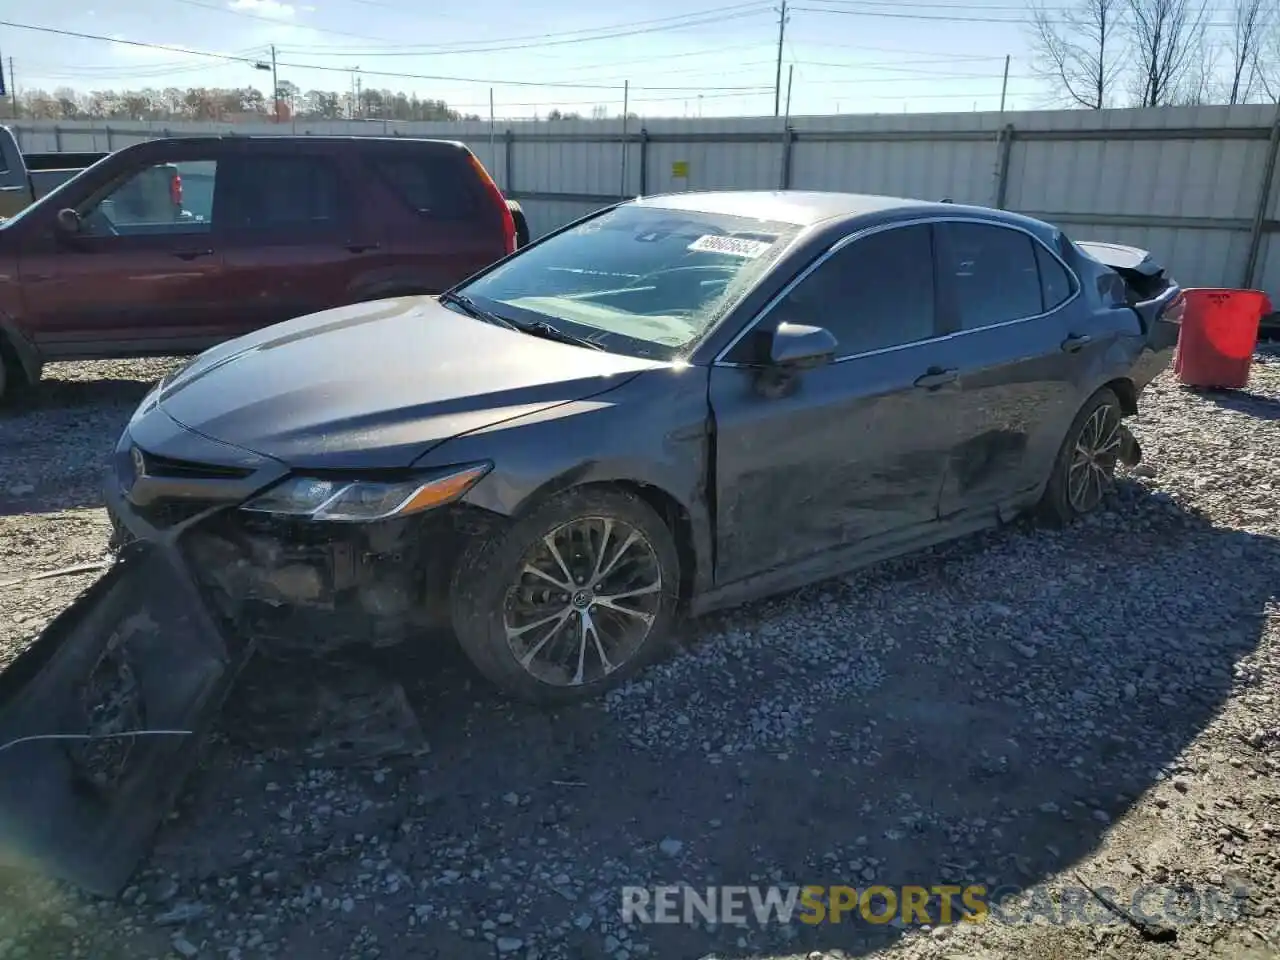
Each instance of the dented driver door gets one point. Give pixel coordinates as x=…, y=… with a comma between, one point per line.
x=848, y=452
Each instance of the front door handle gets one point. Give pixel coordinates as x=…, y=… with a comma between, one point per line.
x=192, y=254
x=936, y=378
x=1075, y=343
x=362, y=247
x=18, y=189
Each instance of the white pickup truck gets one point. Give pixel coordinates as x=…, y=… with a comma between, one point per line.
x=25, y=177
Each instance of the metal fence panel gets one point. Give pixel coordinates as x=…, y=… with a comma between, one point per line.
x=1185, y=182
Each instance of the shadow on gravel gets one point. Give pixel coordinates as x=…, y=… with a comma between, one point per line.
x=976, y=715
x=54, y=394
x=1243, y=401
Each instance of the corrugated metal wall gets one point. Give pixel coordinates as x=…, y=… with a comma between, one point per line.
x=1184, y=182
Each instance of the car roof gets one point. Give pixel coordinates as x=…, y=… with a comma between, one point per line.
x=323, y=140
x=805, y=208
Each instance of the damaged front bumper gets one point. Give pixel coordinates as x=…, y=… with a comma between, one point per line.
x=101, y=718
x=106, y=710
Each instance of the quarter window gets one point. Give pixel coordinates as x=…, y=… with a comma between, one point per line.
x=433, y=186
x=1055, y=282
x=875, y=293
x=993, y=272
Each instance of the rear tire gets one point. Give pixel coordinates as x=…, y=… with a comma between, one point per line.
x=1084, y=470
x=571, y=599
x=522, y=225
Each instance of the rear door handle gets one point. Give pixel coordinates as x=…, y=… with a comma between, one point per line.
x=13, y=189
x=1075, y=343
x=936, y=378
x=192, y=254
x=362, y=247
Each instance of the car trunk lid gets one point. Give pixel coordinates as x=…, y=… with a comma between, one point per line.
x=1147, y=286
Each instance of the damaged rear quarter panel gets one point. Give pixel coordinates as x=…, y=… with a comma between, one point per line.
x=652, y=431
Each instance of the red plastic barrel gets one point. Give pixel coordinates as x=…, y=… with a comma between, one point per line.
x=1219, y=332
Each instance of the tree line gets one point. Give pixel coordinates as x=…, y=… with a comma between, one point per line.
x=1153, y=53
x=226, y=105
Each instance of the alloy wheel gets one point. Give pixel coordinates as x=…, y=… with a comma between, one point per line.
x=584, y=601
x=1092, y=469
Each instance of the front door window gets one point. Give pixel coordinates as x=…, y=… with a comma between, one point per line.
x=161, y=199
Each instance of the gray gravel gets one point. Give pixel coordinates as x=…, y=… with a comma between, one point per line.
x=1010, y=709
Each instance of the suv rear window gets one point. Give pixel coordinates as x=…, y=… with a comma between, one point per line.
x=432, y=185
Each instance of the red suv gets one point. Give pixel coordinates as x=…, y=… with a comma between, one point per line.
x=172, y=246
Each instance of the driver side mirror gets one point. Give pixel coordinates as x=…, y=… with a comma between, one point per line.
x=67, y=223
x=798, y=346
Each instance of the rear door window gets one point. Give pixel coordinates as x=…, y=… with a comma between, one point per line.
x=272, y=193
x=993, y=272
x=435, y=186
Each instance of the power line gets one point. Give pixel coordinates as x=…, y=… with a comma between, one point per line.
x=697, y=18
x=609, y=102
x=919, y=74
x=172, y=67
x=936, y=4
x=932, y=78
x=1016, y=21
x=230, y=58
x=932, y=54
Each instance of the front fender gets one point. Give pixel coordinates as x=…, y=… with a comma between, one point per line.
x=652, y=431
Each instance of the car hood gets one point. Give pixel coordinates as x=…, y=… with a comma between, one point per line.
x=377, y=385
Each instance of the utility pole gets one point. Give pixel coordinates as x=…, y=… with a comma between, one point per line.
x=777, y=79
x=626, y=107
x=1004, y=86
x=13, y=87
x=275, y=85
x=359, y=102
x=791, y=69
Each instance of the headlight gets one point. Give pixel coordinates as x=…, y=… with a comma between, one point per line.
x=363, y=500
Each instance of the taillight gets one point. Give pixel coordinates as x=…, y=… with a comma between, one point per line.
x=1177, y=307
x=175, y=190
x=491, y=188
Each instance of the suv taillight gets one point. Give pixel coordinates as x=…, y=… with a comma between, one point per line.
x=175, y=190
x=491, y=188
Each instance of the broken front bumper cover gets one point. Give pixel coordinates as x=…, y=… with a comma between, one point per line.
x=82, y=790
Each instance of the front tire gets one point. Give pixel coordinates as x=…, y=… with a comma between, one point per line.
x=14, y=382
x=1085, y=468
x=571, y=599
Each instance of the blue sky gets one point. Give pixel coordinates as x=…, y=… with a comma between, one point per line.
x=567, y=54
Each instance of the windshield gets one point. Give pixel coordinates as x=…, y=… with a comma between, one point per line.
x=639, y=280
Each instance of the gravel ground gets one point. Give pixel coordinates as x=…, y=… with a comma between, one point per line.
x=1022, y=708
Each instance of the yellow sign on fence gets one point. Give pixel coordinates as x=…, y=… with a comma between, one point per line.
x=680, y=169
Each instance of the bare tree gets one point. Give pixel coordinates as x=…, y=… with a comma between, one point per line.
x=1167, y=40
x=1203, y=82
x=1249, y=26
x=1076, y=50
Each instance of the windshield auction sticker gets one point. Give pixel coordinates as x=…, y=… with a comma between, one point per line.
x=733, y=246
